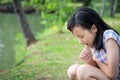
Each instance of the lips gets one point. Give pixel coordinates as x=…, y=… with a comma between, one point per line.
x=87, y=44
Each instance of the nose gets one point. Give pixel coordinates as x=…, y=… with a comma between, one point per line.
x=81, y=41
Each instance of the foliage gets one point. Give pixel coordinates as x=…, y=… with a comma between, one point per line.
x=53, y=13
x=5, y=1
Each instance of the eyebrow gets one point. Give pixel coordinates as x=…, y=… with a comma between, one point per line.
x=79, y=35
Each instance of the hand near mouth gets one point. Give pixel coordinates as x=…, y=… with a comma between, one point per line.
x=86, y=54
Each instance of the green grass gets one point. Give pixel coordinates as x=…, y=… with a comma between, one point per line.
x=50, y=57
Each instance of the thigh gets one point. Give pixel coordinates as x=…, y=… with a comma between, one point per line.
x=88, y=72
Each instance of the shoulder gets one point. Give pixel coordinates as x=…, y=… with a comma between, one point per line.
x=111, y=34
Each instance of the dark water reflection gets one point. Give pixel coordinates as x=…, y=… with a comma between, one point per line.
x=6, y=50
x=9, y=28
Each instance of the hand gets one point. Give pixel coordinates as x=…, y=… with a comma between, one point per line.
x=86, y=55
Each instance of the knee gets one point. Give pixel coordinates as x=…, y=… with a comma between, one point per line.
x=81, y=71
x=72, y=70
x=82, y=68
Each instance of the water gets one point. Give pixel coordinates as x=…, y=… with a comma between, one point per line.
x=6, y=49
x=9, y=29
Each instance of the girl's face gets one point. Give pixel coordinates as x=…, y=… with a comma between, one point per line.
x=85, y=36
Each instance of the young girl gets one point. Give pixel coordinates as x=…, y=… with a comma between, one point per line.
x=102, y=47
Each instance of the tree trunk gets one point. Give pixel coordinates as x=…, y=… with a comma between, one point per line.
x=24, y=24
x=103, y=8
x=113, y=7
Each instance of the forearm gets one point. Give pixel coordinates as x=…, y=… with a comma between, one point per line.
x=112, y=74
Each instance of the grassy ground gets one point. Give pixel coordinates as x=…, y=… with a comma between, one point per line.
x=50, y=57
x=49, y=60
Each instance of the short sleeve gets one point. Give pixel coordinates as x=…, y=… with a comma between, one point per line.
x=111, y=34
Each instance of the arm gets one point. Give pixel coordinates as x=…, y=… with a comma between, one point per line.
x=112, y=69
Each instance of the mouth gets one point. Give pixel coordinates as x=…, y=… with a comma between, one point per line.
x=88, y=45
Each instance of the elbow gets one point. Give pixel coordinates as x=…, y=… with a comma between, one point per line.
x=113, y=75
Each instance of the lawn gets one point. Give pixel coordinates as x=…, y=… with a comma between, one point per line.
x=49, y=58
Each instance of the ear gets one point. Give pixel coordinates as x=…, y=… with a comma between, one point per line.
x=94, y=28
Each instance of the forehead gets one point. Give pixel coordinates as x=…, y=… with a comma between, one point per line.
x=78, y=30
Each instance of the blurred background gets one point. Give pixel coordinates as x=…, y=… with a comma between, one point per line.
x=38, y=27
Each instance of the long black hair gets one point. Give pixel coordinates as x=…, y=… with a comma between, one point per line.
x=86, y=17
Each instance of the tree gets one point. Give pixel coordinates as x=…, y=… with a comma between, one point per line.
x=113, y=7
x=24, y=24
x=103, y=8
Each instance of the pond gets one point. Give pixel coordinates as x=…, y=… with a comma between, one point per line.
x=9, y=29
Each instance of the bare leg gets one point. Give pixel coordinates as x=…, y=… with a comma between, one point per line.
x=88, y=72
x=71, y=72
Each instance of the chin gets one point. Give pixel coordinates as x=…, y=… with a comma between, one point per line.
x=90, y=46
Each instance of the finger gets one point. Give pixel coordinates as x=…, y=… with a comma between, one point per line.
x=84, y=56
x=88, y=48
x=86, y=52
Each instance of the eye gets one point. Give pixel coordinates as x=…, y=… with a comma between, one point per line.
x=81, y=36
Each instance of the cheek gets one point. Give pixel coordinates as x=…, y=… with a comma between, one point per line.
x=90, y=38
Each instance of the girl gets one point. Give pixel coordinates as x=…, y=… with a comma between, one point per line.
x=102, y=47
